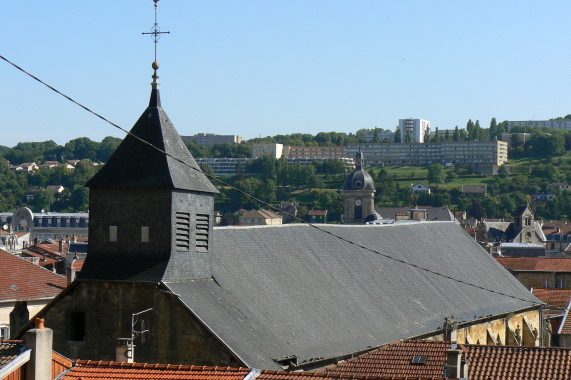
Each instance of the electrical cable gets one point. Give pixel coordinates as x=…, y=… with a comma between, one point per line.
x=260, y=201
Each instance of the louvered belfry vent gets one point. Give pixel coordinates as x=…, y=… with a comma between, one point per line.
x=202, y=228
x=182, y=231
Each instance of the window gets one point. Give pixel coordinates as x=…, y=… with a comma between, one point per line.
x=4, y=332
x=202, y=227
x=76, y=326
x=112, y=233
x=182, y=231
x=144, y=234
x=546, y=283
x=418, y=359
x=560, y=283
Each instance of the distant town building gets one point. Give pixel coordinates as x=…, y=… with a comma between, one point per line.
x=48, y=225
x=326, y=152
x=317, y=216
x=420, y=188
x=460, y=153
x=212, y=138
x=523, y=136
x=225, y=165
x=260, y=217
x=358, y=194
x=480, y=190
x=382, y=136
x=559, y=186
x=274, y=150
x=553, y=124
x=416, y=127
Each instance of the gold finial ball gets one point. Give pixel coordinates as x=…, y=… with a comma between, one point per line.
x=155, y=65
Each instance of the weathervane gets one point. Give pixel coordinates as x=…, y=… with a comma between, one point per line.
x=155, y=35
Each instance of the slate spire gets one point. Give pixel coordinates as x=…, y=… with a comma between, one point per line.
x=140, y=160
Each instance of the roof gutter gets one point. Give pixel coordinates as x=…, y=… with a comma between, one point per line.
x=19, y=361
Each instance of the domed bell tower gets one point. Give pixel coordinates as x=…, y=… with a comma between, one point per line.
x=358, y=193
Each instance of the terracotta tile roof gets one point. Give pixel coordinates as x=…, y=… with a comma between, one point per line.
x=78, y=264
x=484, y=362
x=22, y=280
x=505, y=362
x=317, y=212
x=540, y=264
x=9, y=352
x=565, y=326
x=554, y=297
x=395, y=359
x=88, y=369
x=292, y=375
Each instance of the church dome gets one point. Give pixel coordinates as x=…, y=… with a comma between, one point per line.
x=359, y=179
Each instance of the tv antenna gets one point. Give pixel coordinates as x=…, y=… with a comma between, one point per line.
x=126, y=346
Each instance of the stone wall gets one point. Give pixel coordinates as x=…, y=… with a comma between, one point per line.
x=176, y=337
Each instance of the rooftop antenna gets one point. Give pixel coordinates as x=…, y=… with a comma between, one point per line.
x=155, y=35
x=125, y=351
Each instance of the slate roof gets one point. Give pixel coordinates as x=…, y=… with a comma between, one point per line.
x=152, y=168
x=540, y=264
x=22, y=280
x=279, y=291
x=434, y=213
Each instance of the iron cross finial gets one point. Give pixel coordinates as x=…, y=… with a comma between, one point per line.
x=155, y=35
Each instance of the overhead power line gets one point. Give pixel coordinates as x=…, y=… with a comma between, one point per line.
x=262, y=202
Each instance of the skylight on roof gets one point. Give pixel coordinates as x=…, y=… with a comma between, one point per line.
x=418, y=359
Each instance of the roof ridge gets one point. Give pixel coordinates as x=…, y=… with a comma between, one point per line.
x=167, y=366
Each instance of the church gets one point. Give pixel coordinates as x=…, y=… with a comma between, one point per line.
x=293, y=296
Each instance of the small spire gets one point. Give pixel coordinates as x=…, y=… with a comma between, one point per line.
x=155, y=35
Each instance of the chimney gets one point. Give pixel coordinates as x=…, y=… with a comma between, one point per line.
x=61, y=246
x=40, y=341
x=19, y=316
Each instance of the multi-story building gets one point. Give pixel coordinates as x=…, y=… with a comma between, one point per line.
x=47, y=225
x=416, y=127
x=461, y=153
x=225, y=165
x=212, y=138
x=274, y=150
x=326, y=152
x=554, y=124
x=507, y=137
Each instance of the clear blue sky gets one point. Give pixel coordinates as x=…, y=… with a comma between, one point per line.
x=259, y=68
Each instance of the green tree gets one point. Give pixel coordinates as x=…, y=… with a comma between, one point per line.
x=398, y=137
x=43, y=200
x=436, y=174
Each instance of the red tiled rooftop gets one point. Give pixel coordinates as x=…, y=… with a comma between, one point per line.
x=395, y=359
x=554, y=297
x=507, y=363
x=22, y=280
x=88, y=370
x=541, y=264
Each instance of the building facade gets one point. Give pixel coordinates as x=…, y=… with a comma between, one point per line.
x=273, y=150
x=553, y=124
x=461, y=153
x=212, y=138
x=416, y=127
x=326, y=152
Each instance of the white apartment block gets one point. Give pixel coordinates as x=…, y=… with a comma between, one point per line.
x=274, y=150
x=553, y=124
x=462, y=153
x=416, y=127
x=212, y=138
x=327, y=152
x=224, y=166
